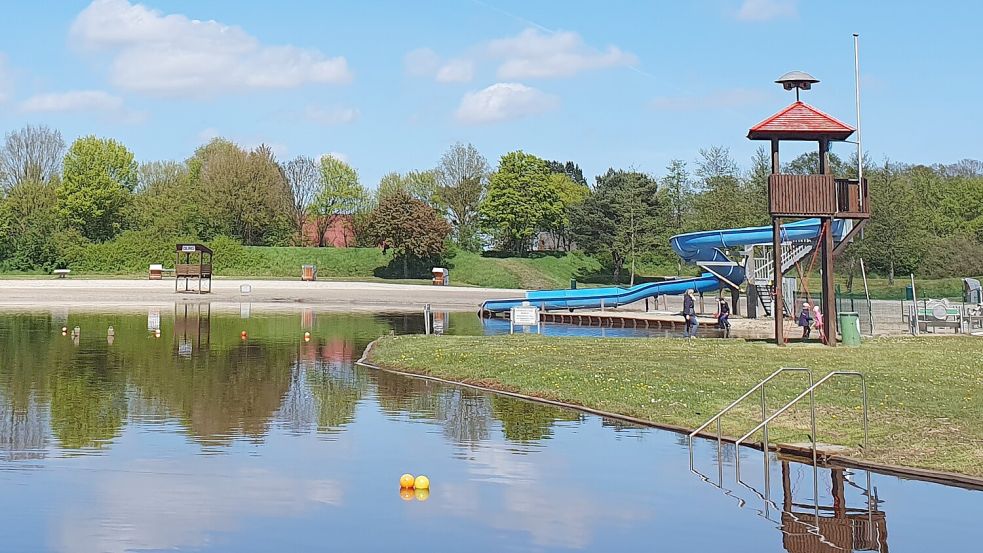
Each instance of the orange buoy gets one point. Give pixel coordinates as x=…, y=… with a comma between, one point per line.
x=421, y=483
x=406, y=481
x=307, y=336
x=243, y=335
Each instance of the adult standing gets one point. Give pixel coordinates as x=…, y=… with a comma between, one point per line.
x=689, y=314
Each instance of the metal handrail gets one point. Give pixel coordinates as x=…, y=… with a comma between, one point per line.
x=764, y=414
x=810, y=392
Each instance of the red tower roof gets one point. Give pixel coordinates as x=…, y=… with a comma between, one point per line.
x=800, y=121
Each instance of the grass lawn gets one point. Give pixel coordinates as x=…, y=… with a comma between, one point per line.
x=925, y=394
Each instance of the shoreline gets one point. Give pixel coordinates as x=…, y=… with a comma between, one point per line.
x=688, y=380
x=947, y=478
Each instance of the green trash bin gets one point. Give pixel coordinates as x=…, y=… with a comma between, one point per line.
x=849, y=323
x=573, y=284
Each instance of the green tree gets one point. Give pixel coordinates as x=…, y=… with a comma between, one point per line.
x=340, y=193
x=895, y=236
x=244, y=194
x=28, y=221
x=571, y=194
x=409, y=227
x=720, y=201
x=678, y=189
x=521, y=200
x=99, y=176
x=622, y=218
x=165, y=200
x=756, y=208
x=569, y=169
x=462, y=178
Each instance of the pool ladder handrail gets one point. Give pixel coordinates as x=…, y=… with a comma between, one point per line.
x=810, y=391
x=764, y=412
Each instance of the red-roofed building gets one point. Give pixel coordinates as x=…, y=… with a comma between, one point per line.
x=800, y=121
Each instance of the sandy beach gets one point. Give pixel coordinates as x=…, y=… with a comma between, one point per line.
x=277, y=294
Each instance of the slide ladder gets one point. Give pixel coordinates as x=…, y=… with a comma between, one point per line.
x=761, y=273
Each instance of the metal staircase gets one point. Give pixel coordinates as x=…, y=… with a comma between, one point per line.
x=761, y=274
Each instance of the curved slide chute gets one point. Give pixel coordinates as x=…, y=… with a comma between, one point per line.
x=705, y=249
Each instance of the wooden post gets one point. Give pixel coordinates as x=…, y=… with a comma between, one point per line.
x=824, y=156
x=775, y=166
x=779, y=305
x=829, y=298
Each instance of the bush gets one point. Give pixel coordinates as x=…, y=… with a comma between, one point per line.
x=954, y=256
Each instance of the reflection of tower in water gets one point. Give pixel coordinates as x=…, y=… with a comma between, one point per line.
x=192, y=327
x=815, y=528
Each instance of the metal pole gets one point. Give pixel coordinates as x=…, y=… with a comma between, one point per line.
x=860, y=149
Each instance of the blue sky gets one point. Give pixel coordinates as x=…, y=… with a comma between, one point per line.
x=390, y=85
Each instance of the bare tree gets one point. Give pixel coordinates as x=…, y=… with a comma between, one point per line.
x=30, y=154
x=462, y=176
x=304, y=177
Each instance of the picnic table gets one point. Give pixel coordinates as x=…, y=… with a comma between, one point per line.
x=61, y=273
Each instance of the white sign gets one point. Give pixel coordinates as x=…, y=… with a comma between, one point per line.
x=188, y=248
x=525, y=315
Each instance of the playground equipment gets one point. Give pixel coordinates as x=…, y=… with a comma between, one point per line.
x=831, y=212
x=929, y=315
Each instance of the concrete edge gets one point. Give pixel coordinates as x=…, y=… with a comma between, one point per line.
x=908, y=473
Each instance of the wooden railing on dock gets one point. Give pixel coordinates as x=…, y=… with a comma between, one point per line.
x=817, y=196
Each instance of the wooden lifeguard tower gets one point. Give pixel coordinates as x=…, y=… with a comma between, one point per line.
x=193, y=262
x=832, y=200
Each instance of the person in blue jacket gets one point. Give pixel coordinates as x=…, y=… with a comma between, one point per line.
x=689, y=314
x=805, y=321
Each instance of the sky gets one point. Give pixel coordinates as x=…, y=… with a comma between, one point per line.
x=390, y=85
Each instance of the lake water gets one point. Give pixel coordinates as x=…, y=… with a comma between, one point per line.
x=199, y=440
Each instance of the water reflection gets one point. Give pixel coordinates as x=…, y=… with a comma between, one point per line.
x=202, y=440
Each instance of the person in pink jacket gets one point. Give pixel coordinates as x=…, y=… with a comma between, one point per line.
x=817, y=317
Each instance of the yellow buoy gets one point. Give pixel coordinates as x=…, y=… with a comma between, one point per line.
x=422, y=495
x=406, y=494
x=406, y=481
x=421, y=483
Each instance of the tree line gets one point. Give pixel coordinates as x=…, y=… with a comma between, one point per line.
x=55, y=197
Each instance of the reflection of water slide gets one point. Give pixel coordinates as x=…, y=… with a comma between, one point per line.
x=705, y=249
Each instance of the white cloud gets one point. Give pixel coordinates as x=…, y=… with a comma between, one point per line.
x=456, y=71
x=502, y=102
x=733, y=98
x=534, y=54
x=331, y=116
x=88, y=101
x=422, y=62
x=178, y=56
x=766, y=10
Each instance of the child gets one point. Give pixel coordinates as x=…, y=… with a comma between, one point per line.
x=819, y=323
x=805, y=321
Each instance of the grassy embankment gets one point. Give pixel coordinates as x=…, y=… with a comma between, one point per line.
x=132, y=252
x=925, y=395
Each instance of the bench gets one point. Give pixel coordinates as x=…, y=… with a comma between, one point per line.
x=61, y=273
x=158, y=272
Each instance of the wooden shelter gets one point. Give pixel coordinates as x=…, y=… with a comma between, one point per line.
x=193, y=262
x=819, y=195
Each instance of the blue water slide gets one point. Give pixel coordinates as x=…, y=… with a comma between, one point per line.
x=705, y=248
